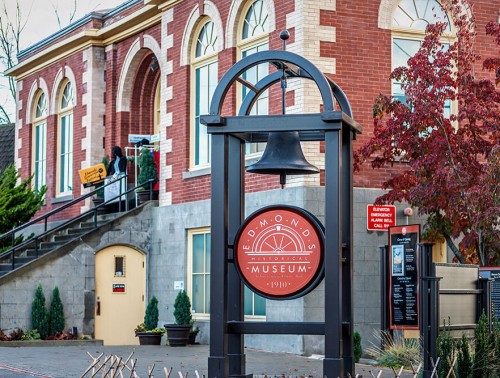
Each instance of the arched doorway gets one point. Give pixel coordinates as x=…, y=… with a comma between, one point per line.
x=120, y=287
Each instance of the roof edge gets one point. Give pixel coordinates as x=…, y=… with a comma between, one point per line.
x=96, y=15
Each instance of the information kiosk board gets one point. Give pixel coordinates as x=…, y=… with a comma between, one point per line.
x=403, y=277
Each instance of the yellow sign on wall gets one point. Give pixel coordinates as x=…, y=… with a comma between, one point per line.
x=92, y=175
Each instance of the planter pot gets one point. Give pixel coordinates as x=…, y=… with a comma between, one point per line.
x=143, y=196
x=178, y=335
x=149, y=338
x=192, y=337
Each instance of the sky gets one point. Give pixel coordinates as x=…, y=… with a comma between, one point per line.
x=42, y=22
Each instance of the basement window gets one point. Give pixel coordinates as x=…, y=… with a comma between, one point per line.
x=119, y=266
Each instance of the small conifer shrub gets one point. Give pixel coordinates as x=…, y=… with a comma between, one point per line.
x=358, y=350
x=39, y=314
x=182, y=309
x=151, y=315
x=56, y=313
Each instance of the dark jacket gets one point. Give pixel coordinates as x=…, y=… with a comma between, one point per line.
x=122, y=165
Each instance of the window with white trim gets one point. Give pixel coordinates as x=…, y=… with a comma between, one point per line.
x=199, y=270
x=40, y=141
x=204, y=79
x=254, y=37
x=65, y=141
x=409, y=21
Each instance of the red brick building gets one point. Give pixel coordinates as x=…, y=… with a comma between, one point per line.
x=149, y=67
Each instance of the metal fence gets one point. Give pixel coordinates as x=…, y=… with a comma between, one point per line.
x=114, y=366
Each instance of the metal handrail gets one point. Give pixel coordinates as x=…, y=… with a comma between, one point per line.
x=46, y=216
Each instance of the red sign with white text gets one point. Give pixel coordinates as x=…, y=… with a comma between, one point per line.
x=380, y=218
x=279, y=252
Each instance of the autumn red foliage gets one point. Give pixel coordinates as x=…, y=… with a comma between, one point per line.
x=450, y=163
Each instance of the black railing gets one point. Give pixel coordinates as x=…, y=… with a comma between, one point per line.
x=36, y=239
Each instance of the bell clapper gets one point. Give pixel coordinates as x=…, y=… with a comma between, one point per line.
x=283, y=180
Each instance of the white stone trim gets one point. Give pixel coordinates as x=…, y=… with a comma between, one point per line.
x=127, y=74
x=18, y=143
x=385, y=11
x=64, y=73
x=40, y=83
x=129, y=68
x=235, y=15
x=187, y=40
x=166, y=93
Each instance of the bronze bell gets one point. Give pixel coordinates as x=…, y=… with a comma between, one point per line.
x=283, y=156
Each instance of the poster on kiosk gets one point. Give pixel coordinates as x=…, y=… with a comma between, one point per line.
x=404, y=277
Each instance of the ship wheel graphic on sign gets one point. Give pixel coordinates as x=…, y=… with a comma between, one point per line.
x=279, y=252
x=278, y=240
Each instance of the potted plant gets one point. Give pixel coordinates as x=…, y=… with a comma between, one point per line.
x=147, y=172
x=178, y=333
x=148, y=332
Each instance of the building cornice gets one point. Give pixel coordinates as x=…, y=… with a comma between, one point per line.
x=142, y=19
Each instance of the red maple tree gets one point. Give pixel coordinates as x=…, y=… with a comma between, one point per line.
x=450, y=164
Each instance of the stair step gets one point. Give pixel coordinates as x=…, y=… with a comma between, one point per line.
x=78, y=231
x=58, y=238
x=64, y=237
x=5, y=267
x=51, y=244
x=90, y=224
x=32, y=253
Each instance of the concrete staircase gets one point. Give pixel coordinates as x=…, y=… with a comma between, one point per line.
x=54, y=240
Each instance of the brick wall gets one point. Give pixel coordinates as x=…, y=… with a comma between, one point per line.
x=51, y=76
x=342, y=38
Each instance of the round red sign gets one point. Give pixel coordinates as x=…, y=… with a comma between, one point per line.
x=279, y=252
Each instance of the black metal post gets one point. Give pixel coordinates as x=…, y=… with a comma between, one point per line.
x=347, y=253
x=333, y=365
x=484, y=300
x=429, y=307
x=217, y=361
x=384, y=290
x=236, y=212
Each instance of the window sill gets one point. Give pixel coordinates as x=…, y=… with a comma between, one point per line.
x=196, y=173
x=67, y=198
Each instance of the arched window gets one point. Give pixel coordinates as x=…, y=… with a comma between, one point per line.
x=65, y=141
x=40, y=140
x=409, y=21
x=204, y=80
x=253, y=37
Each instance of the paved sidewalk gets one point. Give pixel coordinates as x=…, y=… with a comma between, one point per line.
x=72, y=361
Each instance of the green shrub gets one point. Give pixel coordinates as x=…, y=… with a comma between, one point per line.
x=395, y=351
x=482, y=349
x=56, y=313
x=445, y=346
x=182, y=309
x=151, y=315
x=147, y=168
x=30, y=334
x=464, y=359
x=39, y=314
x=358, y=350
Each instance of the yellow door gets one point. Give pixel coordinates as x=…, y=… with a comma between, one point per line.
x=120, y=287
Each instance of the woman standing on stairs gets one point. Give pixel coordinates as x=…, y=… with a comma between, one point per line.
x=118, y=163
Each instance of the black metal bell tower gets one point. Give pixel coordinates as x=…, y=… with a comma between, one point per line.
x=337, y=129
